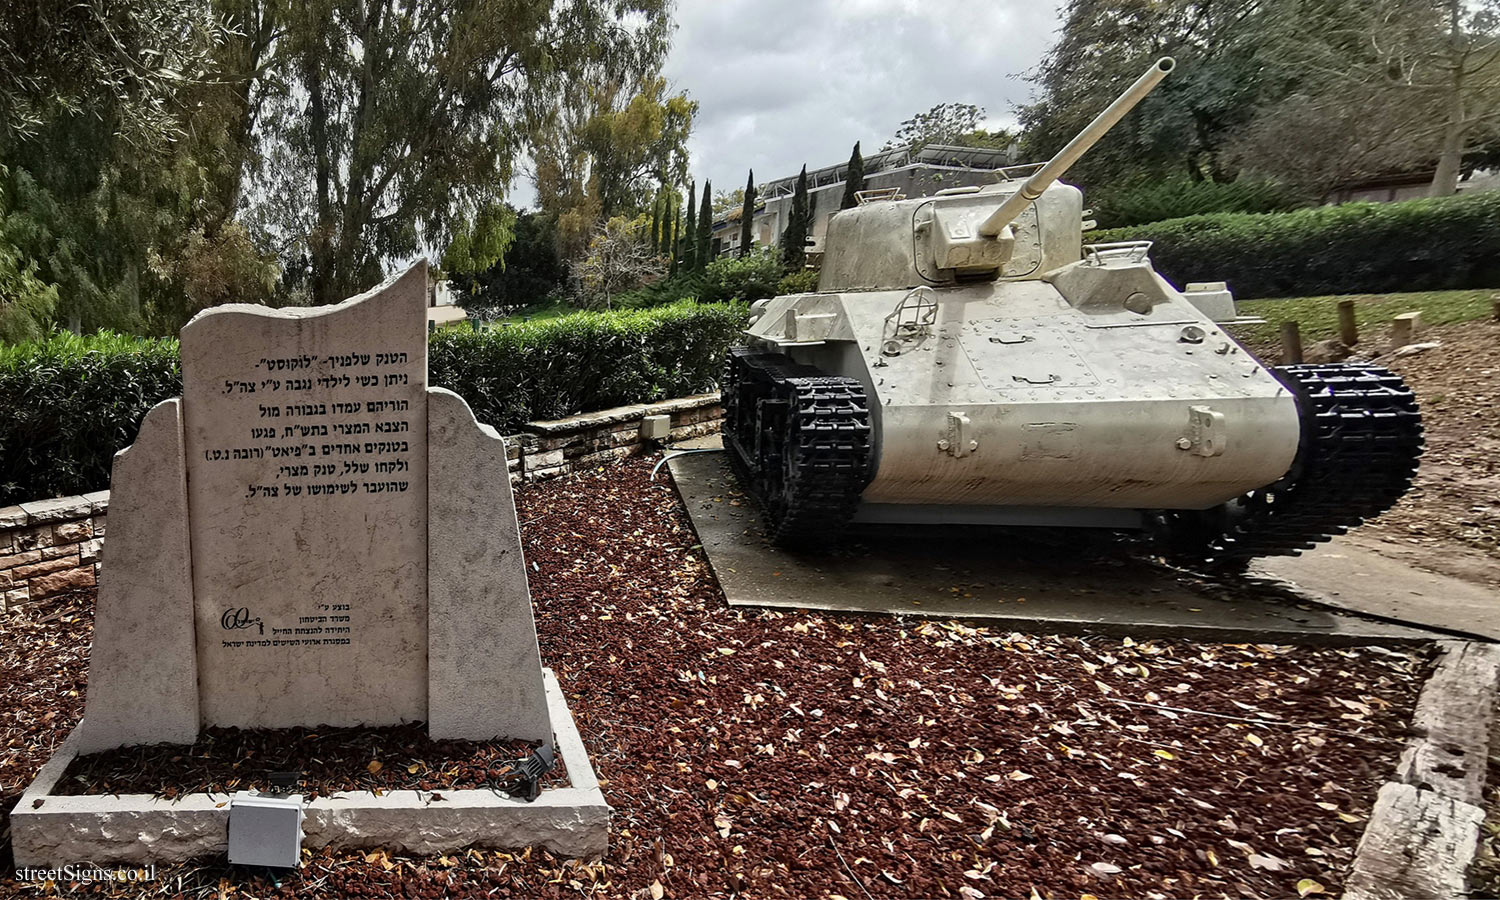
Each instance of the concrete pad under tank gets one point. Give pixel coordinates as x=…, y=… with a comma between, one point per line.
x=1011, y=578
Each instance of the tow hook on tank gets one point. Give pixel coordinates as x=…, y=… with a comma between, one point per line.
x=958, y=442
x=1206, y=435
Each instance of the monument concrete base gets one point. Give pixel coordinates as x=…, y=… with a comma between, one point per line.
x=52, y=830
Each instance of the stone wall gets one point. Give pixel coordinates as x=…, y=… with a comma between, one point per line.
x=549, y=449
x=51, y=546
x=48, y=547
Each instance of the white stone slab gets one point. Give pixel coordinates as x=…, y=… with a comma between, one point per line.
x=307, y=473
x=143, y=681
x=484, y=674
x=136, y=828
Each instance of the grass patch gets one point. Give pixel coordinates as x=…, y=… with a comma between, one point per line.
x=1319, y=320
x=539, y=312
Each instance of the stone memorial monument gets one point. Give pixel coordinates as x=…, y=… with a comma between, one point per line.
x=312, y=536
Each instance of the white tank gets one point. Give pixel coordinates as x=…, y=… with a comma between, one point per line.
x=968, y=359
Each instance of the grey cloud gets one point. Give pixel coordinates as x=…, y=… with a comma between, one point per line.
x=786, y=82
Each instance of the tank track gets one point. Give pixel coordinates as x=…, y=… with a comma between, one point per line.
x=1361, y=436
x=799, y=442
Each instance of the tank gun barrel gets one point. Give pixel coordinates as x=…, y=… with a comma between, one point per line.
x=1090, y=135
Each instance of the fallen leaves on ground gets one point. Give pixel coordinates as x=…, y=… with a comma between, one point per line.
x=843, y=756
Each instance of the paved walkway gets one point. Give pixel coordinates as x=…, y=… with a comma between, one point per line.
x=1360, y=573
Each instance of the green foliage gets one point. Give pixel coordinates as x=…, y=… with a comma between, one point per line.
x=798, y=224
x=953, y=124
x=479, y=244
x=1174, y=198
x=26, y=302
x=752, y=277
x=705, y=227
x=72, y=402
x=687, y=235
x=804, y=281
x=1222, y=76
x=586, y=361
x=385, y=122
x=854, y=179
x=602, y=146
x=747, y=216
x=528, y=272
x=1432, y=244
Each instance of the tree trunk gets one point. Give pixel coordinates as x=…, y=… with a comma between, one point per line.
x=1455, y=128
x=320, y=242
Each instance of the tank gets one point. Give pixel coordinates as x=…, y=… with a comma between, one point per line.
x=968, y=359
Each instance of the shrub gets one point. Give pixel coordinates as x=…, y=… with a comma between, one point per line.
x=1371, y=248
x=748, y=278
x=1179, y=197
x=72, y=402
x=585, y=361
x=801, y=282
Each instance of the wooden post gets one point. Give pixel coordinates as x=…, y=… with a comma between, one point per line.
x=1404, y=328
x=1348, y=329
x=1291, y=344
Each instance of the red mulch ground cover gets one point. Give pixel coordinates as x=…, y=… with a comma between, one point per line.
x=776, y=754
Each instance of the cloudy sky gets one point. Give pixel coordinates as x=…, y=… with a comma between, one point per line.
x=780, y=83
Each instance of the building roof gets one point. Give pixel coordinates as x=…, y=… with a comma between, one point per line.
x=928, y=154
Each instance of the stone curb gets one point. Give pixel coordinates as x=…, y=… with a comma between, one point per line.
x=573, y=821
x=621, y=414
x=1424, y=828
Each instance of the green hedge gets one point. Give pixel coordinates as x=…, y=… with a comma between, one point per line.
x=586, y=361
x=1175, y=198
x=70, y=403
x=1366, y=248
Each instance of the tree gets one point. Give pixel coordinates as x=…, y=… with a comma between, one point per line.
x=955, y=124
x=666, y=246
x=618, y=259
x=121, y=64
x=726, y=202
x=705, y=227
x=394, y=122
x=747, y=215
x=599, y=152
x=686, y=234
x=1429, y=68
x=113, y=159
x=854, y=179
x=794, y=236
x=528, y=272
x=1221, y=80
x=479, y=244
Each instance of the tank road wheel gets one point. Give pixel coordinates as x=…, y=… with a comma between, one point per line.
x=799, y=441
x=1361, y=437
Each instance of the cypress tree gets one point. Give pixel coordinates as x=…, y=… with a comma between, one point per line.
x=705, y=224
x=794, y=238
x=685, y=232
x=854, y=181
x=747, y=212
x=664, y=242
x=656, y=221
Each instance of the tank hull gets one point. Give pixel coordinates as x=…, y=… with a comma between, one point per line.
x=1016, y=395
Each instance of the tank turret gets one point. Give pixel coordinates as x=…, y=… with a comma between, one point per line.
x=1014, y=229
x=966, y=359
